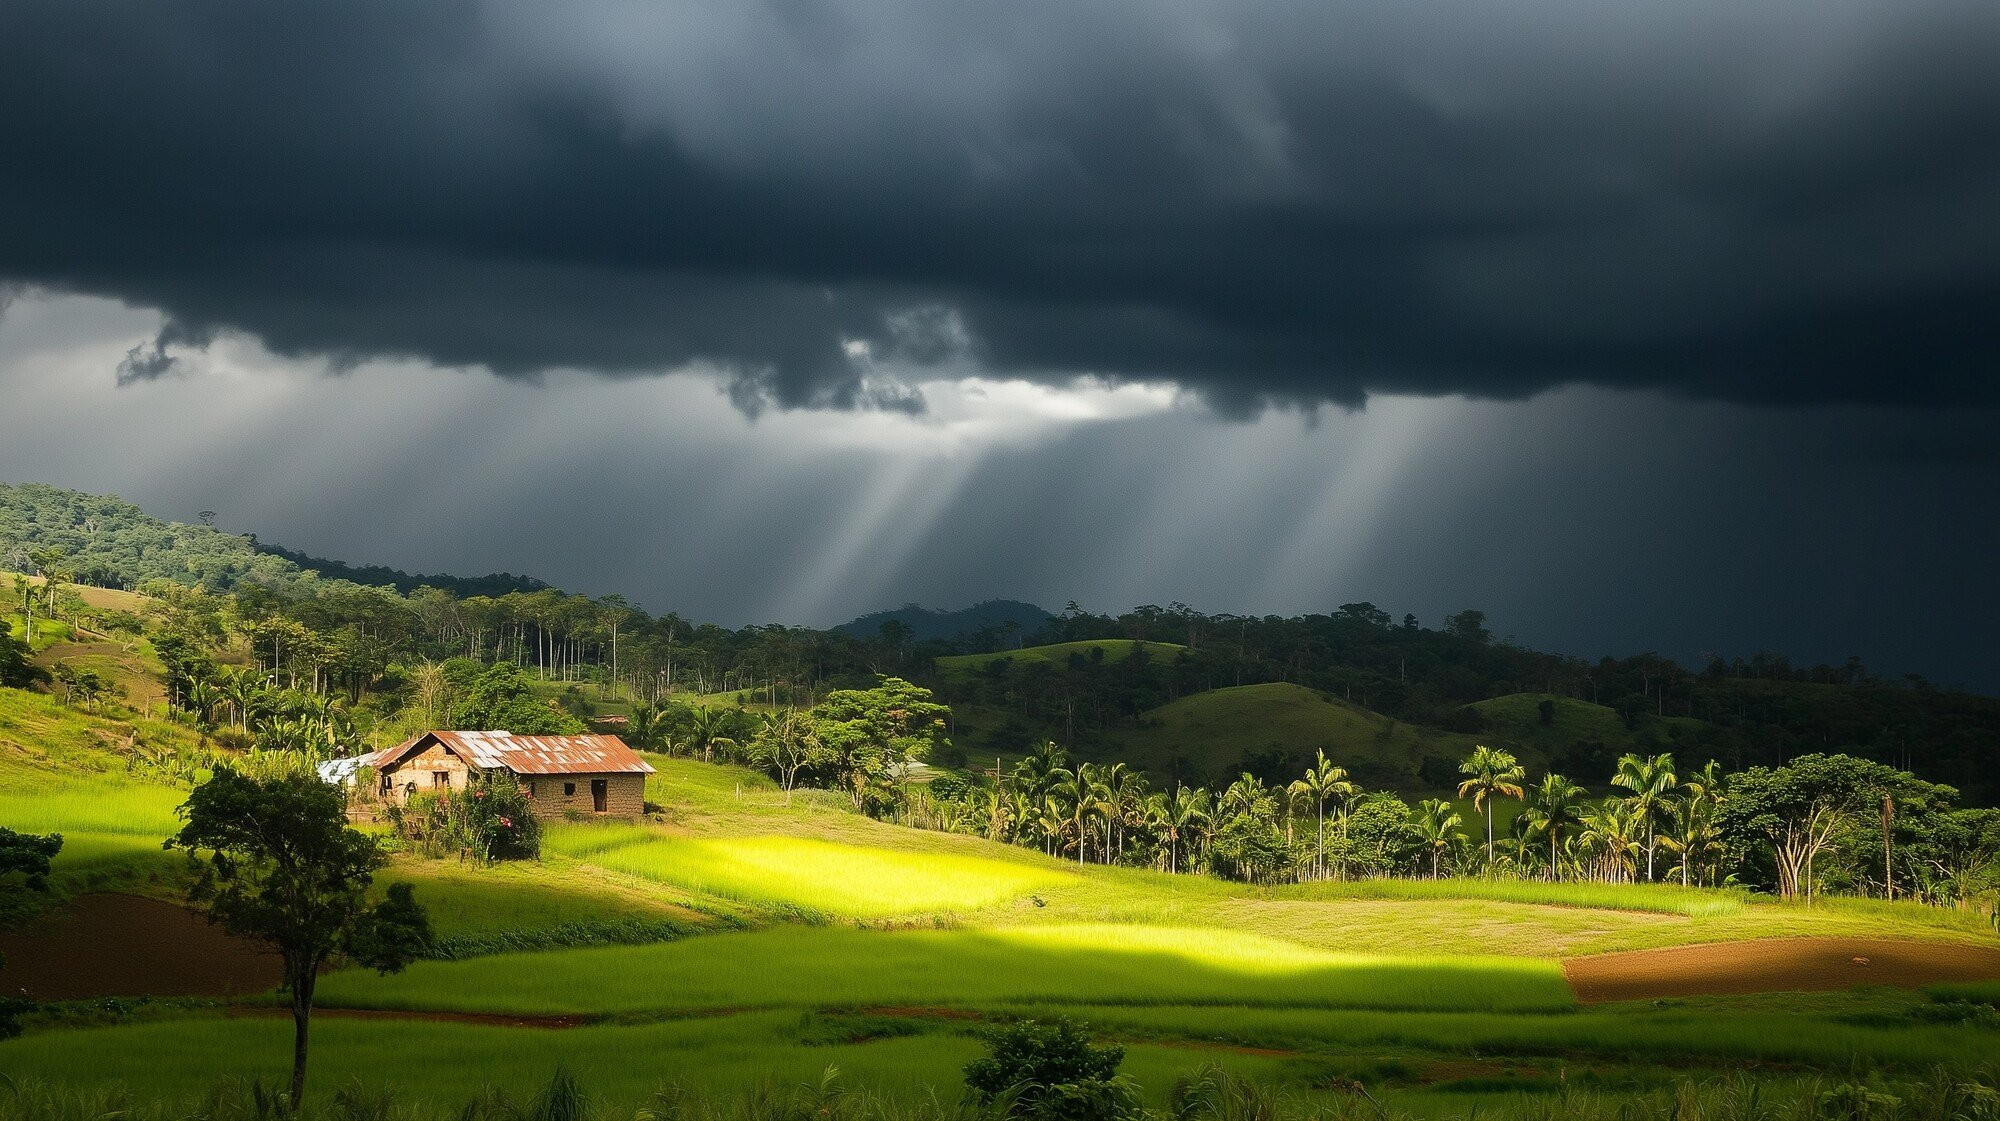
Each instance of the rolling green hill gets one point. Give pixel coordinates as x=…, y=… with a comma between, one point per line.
x=1214, y=732
x=1517, y=721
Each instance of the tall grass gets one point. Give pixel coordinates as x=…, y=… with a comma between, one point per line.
x=89, y=803
x=581, y=839
x=849, y=880
x=844, y=967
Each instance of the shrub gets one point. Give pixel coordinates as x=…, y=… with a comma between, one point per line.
x=1051, y=1072
x=489, y=819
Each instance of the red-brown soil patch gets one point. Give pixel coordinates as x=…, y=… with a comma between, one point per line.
x=126, y=945
x=1776, y=965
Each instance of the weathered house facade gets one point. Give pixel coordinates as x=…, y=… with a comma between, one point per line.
x=563, y=776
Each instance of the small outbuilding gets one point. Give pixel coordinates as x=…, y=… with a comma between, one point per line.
x=561, y=775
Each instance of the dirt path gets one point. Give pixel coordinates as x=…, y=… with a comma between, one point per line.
x=111, y=944
x=1775, y=965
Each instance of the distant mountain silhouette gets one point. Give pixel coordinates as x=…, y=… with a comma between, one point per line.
x=926, y=624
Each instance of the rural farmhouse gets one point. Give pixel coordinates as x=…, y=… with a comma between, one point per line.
x=562, y=775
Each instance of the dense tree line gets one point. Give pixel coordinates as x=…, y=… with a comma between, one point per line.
x=1761, y=712
x=1817, y=825
x=366, y=643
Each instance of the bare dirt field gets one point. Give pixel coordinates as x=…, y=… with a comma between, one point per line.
x=1775, y=965
x=126, y=945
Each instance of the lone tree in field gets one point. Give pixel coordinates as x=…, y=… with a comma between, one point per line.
x=285, y=869
x=1489, y=774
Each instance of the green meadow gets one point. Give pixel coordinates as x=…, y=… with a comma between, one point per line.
x=819, y=876
x=847, y=967
x=749, y=937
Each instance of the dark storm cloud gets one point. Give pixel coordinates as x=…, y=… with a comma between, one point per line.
x=1775, y=202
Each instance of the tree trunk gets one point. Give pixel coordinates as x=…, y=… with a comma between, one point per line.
x=302, y=998
x=1489, y=836
x=1888, y=867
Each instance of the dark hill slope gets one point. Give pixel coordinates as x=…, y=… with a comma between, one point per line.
x=967, y=623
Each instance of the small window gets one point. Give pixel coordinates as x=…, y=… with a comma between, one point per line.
x=569, y=790
x=388, y=783
x=531, y=788
x=440, y=780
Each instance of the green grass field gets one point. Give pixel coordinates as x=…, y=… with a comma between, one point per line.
x=845, y=967
x=735, y=1054
x=824, y=877
x=684, y=938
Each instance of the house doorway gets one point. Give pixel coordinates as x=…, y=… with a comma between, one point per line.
x=600, y=794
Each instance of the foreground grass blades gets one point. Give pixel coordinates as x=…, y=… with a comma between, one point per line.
x=624, y=1063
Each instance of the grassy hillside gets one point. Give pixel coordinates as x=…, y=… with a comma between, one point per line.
x=1100, y=649
x=1213, y=731
x=1516, y=719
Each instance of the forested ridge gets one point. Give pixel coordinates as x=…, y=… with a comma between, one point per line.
x=359, y=631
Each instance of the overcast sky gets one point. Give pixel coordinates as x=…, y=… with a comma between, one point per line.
x=1638, y=325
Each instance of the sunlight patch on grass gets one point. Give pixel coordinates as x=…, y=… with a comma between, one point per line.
x=89, y=803
x=835, y=879
x=845, y=967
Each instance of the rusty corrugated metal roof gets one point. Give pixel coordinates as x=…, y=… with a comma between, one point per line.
x=531, y=755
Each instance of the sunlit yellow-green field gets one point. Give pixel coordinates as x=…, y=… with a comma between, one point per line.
x=821, y=876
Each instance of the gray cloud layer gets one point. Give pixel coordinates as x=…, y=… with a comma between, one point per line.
x=1787, y=201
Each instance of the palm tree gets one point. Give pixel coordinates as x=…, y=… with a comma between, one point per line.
x=1020, y=814
x=1437, y=823
x=1555, y=808
x=647, y=725
x=1175, y=816
x=1053, y=822
x=707, y=732
x=1324, y=782
x=1036, y=772
x=1691, y=832
x=1490, y=774
x=241, y=689
x=202, y=699
x=1651, y=782
x=1613, y=832
x=998, y=805
x=1247, y=795
x=1084, y=797
x=1128, y=794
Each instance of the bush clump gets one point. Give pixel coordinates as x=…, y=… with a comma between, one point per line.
x=489, y=819
x=1051, y=1072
